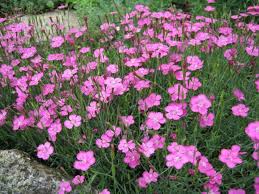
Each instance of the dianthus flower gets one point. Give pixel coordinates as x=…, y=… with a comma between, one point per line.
x=177, y=92
x=3, y=115
x=132, y=158
x=64, y=187
x=207, y=120
x=57, y=41
x=77, y=180
x=74, y=121
x=240, y=110
x=195, y=63
x=85, y=159
x=175, y=111
x=252, y=130
x=236, y=191
x=124, y=145
x=44, y=151
x=238, y=94
x=149, y=102
x=105, y=191
x=147, y=178
x=155, y=120
x=231, y=157
x=127, y=120
x=200, y=104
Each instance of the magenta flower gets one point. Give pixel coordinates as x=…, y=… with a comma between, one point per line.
x=48, y=89
x=125, y=146
x=127, y=120
x=85, y=159
x=45, y=150
x=77, y=180
x=177, y=92
x=147, y=178
x=174, y=111
x=252, y=51
x=57, y=41
x=200, y=104
x=132, y=158
x=64, y=187
x=209, y=8
x=74, y=121
x=231, y=157
x=230, y=54
x=240, y=110
x=257, y=85
x=207, y=120
x=28, y=52
x=195, y=63
x=149, y=102
x=252, y=130
x=236, y=191
x=105, y=191
x=239, y=94
x=155, y=120
x=193, y=84
x=3, y=115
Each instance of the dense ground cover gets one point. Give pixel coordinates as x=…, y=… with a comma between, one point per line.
x=160, y=102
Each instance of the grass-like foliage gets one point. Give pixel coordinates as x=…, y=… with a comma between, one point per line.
x=158, y=102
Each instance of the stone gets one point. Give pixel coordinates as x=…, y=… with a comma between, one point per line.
x=19, y=174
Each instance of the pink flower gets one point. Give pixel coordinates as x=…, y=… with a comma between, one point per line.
x=239, y=94
x=211, y=1
x=193, y=84
x=125, y=146
x=252, y=130
x=48, y=89
x=205, y=167
x=236, y=191
x=230, y=54
x=154, y=120
x=56, y=57
x=252, y=51
x=57, y=41
x=45, y=150
x=54, y=129
x=177, y=92
x=105, y=191
x=240, y=110
x=85, y=50
x=132, y=158
x=20, y=122
x=207, y=120
x=77, y=180
x=64, y=187
x=28, y=52
x=3, y=115
x=149, y=102
x=85, y=159
x=74, y=121
x=200, y=104
x=127, y=120
x=209, y=8
x=36, y=79
x=256, y=185
x=194, y=62
x=257, y=85
x=147, y=178
x=68, y=74
x=112, y=68
x=174, y=111
x=93, y=109
x=231, y=156
x=177, y=157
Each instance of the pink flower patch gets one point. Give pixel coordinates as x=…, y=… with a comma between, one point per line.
x=240, y=110
x=231, y=157
x=48, y=89
x=28, y=52
x=132, y=158
x=177, y=92
x=195, y=63
x=175, y=111
x=85, y=159
x=64, y=187
x=77, y=180
x=252, y=130
x=57, y=41
x=207, y=120
x=124, y=145
x=200, y=104
x=147, y=178
x=74, y=121
x=44, y=151
x=155, y=120
x=238, y=94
